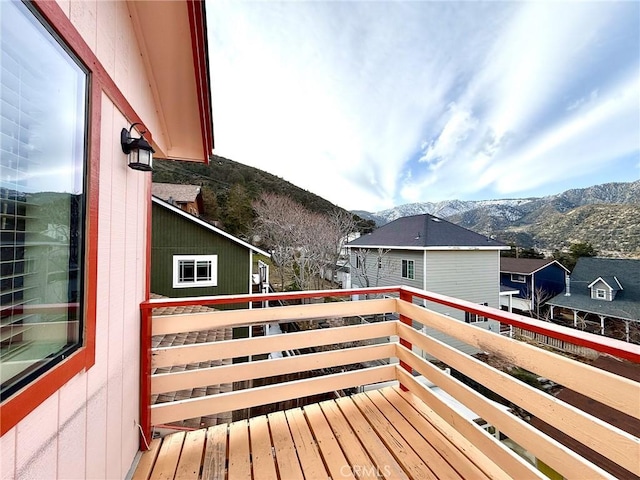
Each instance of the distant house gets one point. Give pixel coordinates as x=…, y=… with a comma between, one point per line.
x=190, y=257
x=603, y=290
x=429, y=253
x=536, y=280
x=185, y=197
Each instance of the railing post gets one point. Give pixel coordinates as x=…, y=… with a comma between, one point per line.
x=407, y=297
x=145, y=378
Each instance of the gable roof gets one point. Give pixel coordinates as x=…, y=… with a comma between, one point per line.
x=208, y=226
x=526, y=266
x=627, y=302
x=179, y=193
x=425, y=232
x=610, y=281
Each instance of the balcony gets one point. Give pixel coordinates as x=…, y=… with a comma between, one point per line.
x=398, y=403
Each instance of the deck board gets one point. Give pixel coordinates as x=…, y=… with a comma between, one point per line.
x=330, y=449
x=349, y=442
x=385, y=462
x=168, y=456
x=214, y=465
x=306, y=447
x=239, y=450
x=191, y=456
x=444, y=444
x=418, y=443
x=397, y=445
x=285, y=450
x=263, y=461
x=380, y=434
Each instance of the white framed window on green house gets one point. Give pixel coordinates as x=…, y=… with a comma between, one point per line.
x=195, y=271
x=408, y=269
x=44, y=93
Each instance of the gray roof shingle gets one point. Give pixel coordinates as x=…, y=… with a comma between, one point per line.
x=627, y=302
x=423, y=231
x=178, y=193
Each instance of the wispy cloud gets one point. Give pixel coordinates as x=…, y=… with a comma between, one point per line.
x=372, y=104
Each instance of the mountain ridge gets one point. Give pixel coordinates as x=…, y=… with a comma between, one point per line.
x=609, y=217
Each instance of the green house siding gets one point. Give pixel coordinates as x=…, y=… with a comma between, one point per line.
x=172, y=234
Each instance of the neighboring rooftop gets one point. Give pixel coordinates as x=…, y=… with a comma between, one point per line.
x=626, y=304
x=424, y=232
x=156, y=200
x=175, y=192
x=191, y=338
x=525, y=266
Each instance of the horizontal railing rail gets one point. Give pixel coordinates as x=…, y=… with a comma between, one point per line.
x=391, y=341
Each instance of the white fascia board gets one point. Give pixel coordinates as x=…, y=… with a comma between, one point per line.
x=507, y=293
x=537, y=269
x=599, y=279
x=214, y=229
x=388, y=247
x=551, y=263
x=618, y=282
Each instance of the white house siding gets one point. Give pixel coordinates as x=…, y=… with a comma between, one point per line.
x=600, y=285
x=391, y=271
x=87, y=429
x=472, y=275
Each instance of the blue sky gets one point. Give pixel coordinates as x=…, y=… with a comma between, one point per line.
x=377, y=104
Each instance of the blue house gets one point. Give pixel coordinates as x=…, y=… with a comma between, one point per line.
x=604, y=291
x=536, y=280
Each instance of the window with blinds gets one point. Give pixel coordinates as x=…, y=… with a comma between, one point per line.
x=43, y=100
x=195, y=271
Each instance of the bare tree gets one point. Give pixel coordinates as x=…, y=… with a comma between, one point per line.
x=276, y=226
x=336, y=232
x=370, y=266
x=302, y=243
x=539, y=298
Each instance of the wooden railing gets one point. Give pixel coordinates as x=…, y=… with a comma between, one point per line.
x=392, y=342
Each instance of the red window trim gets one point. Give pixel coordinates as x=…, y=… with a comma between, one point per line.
x=19, y=405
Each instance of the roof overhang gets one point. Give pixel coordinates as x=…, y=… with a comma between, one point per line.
x=536, y=270
x=429, y=249
x=208, y=226
x=172, y=37
x=611, y=287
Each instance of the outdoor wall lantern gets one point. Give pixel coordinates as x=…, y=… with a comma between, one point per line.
x=140, y=153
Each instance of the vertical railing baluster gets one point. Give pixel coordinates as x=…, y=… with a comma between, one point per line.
x=145, y=377
x=407, y=297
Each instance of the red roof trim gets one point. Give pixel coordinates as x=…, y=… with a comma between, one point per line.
x=198, y=24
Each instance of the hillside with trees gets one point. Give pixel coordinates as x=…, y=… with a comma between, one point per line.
x=229, y=190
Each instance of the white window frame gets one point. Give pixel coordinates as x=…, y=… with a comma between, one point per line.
x=212, y=282
x=474, y=317
x=518, y=278
x=601, y=293
x=411, y=272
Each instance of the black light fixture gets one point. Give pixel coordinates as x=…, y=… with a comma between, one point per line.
x=140, y=153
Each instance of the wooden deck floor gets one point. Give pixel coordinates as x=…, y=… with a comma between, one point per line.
x=379, y=434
